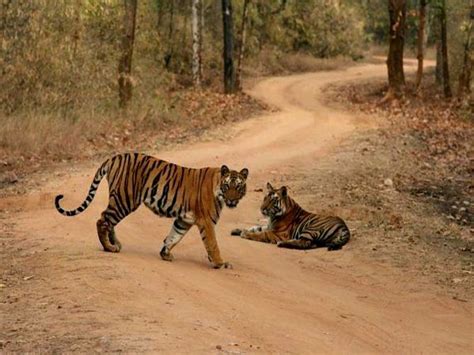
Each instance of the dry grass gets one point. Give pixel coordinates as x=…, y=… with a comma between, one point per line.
x=85, y=121
x=31, y=140
x=271, y=62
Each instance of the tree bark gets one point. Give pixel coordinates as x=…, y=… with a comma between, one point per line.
x=241, y=46
x=396, y=76
x=421, y=41
x=169, y=54
x=229, y=73
x=466, y=71
x=197, y=34
x=439, y=56
x=444, y=51
x=125, y=63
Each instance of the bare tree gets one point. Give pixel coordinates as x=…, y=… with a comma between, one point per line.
x=169, y=53
x=240, y=57
x=396, y=76
x=197, y=40
x=439, y=56
x=229, y=73
x=421, y=41
x=125, y=63
x=466, y=71
x=444, y=50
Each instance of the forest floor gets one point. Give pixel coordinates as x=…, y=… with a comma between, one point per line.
x=404, y=283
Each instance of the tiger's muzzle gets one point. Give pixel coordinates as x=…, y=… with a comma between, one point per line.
x=231, y=203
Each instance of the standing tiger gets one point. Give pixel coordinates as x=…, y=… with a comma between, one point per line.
x=190, y=196
x=290, y=226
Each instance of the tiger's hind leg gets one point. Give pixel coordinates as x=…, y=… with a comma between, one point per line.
x=339, y=240
x=114, y=240
x=107, y=236
x=301, y=244
x=332, y=247
x=112, y=215
x=177, y=232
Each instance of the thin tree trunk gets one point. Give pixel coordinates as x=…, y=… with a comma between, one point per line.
x=437, y=34
x=197, y=33
x=125, y=63
x=444, y=52
x=77, y=27
x=439, y=58
x=240, y=59
x=159, y=16
x=229, y=73
x=396, y=76
x=421, y=41
x=185, y=25
x=466, y=71
x=428, y=25
x=169, y=53
x=201, y=46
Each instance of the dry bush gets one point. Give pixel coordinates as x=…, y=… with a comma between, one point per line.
x=274, y=62
x=58, y=75
x=300, y=62
x=32, y=140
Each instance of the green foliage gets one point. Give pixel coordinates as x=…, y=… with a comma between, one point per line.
x=321, y=28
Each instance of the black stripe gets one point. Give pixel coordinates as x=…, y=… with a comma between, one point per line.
x=126, y=173
x=149, y=170
x=121, y=211
x=138, y=185
x=155, y=185
x=164, y=196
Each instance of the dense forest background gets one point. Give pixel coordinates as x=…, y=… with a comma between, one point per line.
x=59, y=59
x=64, y=54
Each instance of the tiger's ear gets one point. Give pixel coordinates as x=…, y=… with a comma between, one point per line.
x=224, y=170
x=269, y=187
x=244, y=172
x=284, y=191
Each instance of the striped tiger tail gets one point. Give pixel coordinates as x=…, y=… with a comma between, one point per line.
x=101, y=172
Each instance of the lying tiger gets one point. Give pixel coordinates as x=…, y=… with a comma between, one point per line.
x=290, y=226
x=190, y=196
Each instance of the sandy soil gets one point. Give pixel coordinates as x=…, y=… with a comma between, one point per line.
x=60, y=292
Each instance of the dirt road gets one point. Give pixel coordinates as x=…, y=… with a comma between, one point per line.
x=64, y=294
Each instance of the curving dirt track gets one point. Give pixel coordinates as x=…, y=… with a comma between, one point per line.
x=82, y=299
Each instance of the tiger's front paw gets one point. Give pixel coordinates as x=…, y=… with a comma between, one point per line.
x=166, y=254
x=237, y=232
x=223, y=265
x=245, y=234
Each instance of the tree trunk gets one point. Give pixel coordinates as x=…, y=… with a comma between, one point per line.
x=439, y=62
x=169, y=53
x=229, y=74
x=421, y=41
x=77, y=28
x=197, y=34
x=444, y=51
x=396, y=76
x=428, y=24
x=466, y=71
x=241, y=46
x=125, y=63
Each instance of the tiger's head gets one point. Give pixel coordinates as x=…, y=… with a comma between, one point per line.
x=275, y=202
x=233, y=185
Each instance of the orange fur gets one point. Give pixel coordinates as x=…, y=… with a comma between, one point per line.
x=191, y=196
